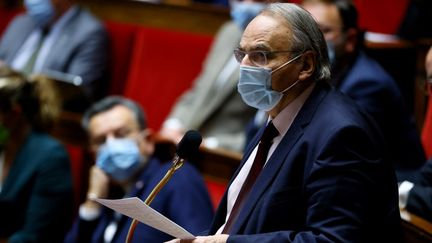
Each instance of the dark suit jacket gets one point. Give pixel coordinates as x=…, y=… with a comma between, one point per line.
x=81, y=49
x=184, y=200
x=327, y=181
x=36, y=198
x=419, y=200
x=377, y=93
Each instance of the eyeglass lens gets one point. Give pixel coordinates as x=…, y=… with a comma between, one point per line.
x=258, y=58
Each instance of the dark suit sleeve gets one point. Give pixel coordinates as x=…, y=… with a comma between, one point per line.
x=344, y=187
x=420, y=201
x=420, y=197
x=81, y=231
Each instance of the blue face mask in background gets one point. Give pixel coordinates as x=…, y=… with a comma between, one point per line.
x=41, y=11
x=120, y=158
x=255, y=86
x=243, y=12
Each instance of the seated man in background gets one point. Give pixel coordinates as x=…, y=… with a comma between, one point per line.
x=213, y=105
x=367, y=83
x=318, y=171
x=125, y=167
x=59, y=39
x=415, y=195
x=36, y=191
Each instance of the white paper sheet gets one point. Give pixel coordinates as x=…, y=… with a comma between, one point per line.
x=135, y=208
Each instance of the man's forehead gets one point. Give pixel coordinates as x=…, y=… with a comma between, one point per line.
x=114, y=118
x=262, y=32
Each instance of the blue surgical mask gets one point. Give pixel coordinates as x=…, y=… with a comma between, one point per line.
x=243, y=12
x=120, y=158
x=255, y=86
x=42, y=11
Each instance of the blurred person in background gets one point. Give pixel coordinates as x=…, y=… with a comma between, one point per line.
x=213, y=105
x=59, y=39
x=415, y=195
x=126, y=167
x=367, y=83
x=36, y=191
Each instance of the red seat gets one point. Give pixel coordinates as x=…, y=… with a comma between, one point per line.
x=164, y=64
x=375, y=17
x=216, y=190
x=78, y=174
x=6, y=15
x=122, y=39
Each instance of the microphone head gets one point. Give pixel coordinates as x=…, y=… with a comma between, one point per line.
x=189, y=144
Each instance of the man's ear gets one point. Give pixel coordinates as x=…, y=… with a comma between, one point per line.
x=147, y=143
x=309, y=65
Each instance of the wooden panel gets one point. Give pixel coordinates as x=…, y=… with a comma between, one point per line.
x=200, y=18
x=415, y=229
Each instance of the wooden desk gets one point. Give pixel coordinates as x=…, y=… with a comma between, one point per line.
x=415, y=228
x=192, y=17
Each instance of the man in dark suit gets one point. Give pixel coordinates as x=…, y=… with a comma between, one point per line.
x=59, y=39
x=125, y=167
x=415, y=195
x=367, y=83
x=325, y=176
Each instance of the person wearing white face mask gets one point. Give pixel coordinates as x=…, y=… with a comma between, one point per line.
x=125, y=167
x=59, y=39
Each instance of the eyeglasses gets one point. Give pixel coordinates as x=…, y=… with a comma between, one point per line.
x=258, y=58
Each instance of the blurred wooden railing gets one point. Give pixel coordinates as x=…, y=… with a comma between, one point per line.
x=191, y=17
x=415, y=228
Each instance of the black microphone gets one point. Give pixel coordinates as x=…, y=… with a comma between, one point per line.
x=187, y=146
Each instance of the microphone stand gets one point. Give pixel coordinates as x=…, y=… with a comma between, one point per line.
x=176, y=164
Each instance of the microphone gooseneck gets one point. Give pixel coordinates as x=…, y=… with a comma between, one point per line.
x=188, y=146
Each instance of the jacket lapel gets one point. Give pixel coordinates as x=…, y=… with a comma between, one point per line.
x=26, y=27
x=61, y=47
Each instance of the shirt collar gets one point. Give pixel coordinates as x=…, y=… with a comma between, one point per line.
x=285, y=118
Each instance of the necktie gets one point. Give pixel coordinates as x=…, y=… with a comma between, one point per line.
x=28, y=68
x=265, y=143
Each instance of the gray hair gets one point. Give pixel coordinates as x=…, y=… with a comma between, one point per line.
x=110, y=102
x=306, y=34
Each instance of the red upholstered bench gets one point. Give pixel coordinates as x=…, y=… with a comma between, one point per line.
x=122, y=40
x=216, y=190
x=164, y=64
